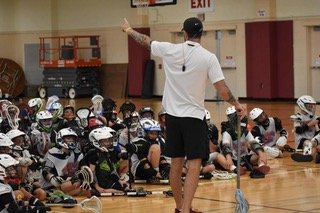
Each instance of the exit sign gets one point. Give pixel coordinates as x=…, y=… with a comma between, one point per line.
x=201, y=6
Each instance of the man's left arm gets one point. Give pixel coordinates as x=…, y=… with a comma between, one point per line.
x=142, y=39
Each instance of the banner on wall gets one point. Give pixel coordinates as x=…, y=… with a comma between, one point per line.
x=201, y=6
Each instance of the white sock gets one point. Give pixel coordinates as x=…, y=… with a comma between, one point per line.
x=232, y=168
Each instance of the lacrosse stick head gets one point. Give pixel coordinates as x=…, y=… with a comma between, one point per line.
x=83, y=114
x=242, y=204
x=91, y=204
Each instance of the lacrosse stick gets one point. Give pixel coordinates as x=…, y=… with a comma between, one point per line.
x=137, y=193
x=83, y=115
x=152, y=182
x=242, y=205
x=92, y=204
x=206, y=176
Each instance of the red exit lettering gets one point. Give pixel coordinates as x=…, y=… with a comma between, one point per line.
x=200, y=3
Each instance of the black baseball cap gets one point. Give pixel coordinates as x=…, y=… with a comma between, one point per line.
x=193, y=26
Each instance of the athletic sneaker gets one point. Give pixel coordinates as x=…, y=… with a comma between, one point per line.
x=191, y=211
x=301, y=158
x=255, y=173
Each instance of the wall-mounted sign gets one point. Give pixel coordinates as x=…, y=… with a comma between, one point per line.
x=201, y=6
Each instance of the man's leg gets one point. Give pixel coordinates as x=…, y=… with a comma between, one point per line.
x=175, y=180
x=190, y=184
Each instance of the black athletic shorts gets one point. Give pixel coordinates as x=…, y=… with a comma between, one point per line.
x=186, y=137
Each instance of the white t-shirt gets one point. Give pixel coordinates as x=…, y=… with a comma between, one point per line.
x=184, y=91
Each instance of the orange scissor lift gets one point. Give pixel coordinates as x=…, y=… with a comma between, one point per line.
x=70, y=65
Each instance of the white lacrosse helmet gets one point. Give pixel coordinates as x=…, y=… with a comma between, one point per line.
x=101, y=133
x=5, y=140
x=35, y=102
x=230, y=110
x=65, y=144
x=52, y=99
x=5, y=162
x=232, y=115
x=12, y=134
x=150, y=125
x=56, y=109
x=307, y=104
x=254, y=113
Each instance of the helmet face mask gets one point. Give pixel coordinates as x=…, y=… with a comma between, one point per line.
x=147, y=115
x=311, y=108
x=67, y=138
x=44, y=120
x=70, y=141
x=152, y=135
x=21, y=142
x=107, y=143
x=262, y=119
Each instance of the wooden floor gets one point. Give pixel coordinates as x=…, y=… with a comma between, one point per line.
x=290, y=186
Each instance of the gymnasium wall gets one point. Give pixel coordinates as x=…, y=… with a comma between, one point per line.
x=23, y=22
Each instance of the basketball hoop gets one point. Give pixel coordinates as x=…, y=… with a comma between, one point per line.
x=142, y=7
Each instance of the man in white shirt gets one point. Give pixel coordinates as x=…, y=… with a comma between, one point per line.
x=187, y=66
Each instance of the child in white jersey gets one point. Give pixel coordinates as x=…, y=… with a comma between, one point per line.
x=269, y=132
x=306, y=129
